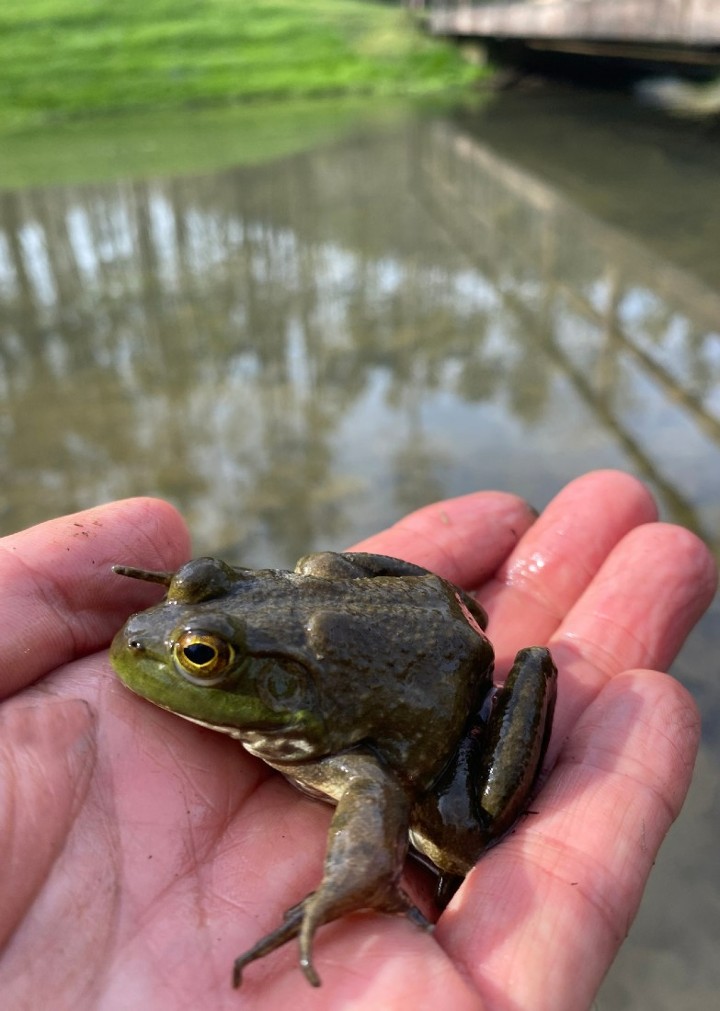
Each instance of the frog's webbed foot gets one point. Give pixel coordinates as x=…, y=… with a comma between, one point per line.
x=303, y=919
x=289, y=928
x=323, y=906
x=367, y=843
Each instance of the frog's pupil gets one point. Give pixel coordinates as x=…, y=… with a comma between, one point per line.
x=199, y=653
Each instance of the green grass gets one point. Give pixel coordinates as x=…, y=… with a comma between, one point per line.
x=65, y=59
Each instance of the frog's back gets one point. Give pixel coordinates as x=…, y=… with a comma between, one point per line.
x=397, y=663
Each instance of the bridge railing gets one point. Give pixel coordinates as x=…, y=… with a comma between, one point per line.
x=683, y=22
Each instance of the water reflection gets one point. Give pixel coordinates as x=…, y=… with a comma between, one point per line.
x=409, y=308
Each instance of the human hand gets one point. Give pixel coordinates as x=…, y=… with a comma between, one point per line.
x=140, y=854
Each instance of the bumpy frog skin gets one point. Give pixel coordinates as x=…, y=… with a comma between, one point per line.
x=366, y=681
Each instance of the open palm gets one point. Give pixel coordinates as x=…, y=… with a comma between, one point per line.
x=140, y=854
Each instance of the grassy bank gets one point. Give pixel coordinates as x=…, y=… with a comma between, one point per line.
x=64, y=59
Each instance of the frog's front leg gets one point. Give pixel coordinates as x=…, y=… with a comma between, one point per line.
x=367, y=843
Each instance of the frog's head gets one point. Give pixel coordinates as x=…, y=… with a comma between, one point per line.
x=189, y=655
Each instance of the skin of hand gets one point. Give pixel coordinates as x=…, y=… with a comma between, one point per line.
x=139, y=854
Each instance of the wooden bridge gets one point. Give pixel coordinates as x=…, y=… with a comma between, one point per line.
x=682, y=32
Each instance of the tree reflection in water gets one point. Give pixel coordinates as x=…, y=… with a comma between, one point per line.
x=291, y=351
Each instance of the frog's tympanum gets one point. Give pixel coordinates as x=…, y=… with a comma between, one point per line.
x=367, y=681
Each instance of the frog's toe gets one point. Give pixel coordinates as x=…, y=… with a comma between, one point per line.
x=288, y=929
x=309, y=970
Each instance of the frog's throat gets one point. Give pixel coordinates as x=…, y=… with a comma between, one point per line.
x=296, y=749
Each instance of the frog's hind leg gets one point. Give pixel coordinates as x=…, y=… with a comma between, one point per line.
x=516, y=739
x=487, y=785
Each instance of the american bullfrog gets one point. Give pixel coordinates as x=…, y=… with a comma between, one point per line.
x=366, y=681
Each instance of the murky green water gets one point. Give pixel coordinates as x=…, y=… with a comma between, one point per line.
x=298, y=351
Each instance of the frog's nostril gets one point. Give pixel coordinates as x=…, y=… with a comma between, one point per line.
x=135, y=644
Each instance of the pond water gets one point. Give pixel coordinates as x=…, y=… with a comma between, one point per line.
x=299, y=350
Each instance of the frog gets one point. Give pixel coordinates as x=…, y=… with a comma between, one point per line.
x=367, y=681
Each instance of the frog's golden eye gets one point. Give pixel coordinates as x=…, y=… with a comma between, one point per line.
x=202, y=658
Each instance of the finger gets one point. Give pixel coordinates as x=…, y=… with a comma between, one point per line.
x=58, y=598
x=46, y=757
x=637, y=612
x=463, y=539
x=559, y=894
x=560, y=555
